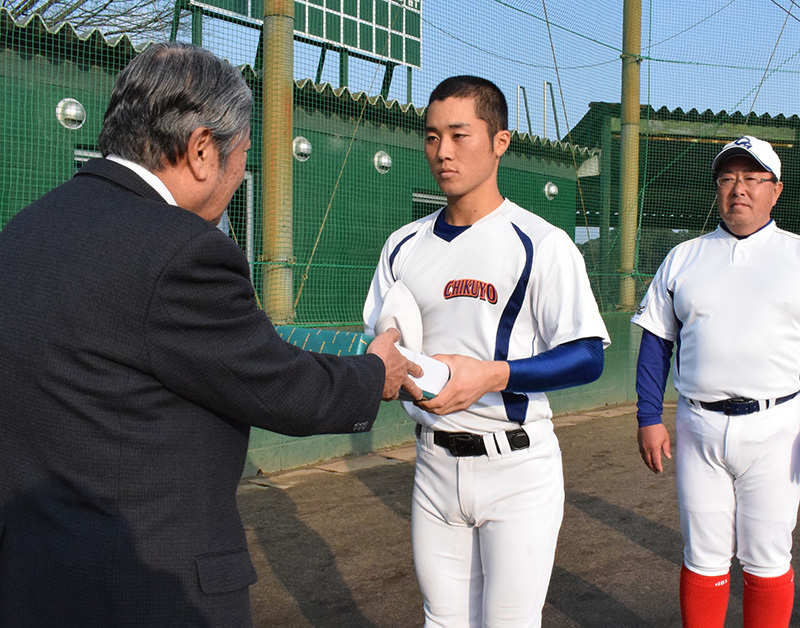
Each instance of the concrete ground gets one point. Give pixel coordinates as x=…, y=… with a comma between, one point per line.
x=331, y=544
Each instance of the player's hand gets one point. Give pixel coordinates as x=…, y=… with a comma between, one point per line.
x=470, y=379
x=397, y=366
x=653, y=441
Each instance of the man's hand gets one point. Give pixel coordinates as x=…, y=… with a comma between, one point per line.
x=470, y=379
x=397, y=366
x=653, y=440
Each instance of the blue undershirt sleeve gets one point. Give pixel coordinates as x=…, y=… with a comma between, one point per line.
x=652, y=369
x=571, y=364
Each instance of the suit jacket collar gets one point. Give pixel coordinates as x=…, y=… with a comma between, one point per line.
x=119, y=175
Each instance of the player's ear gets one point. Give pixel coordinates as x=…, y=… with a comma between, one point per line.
x=201, y=154
x=777, y=192
x=502, y=140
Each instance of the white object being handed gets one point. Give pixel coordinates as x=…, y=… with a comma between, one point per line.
x=435, y=374
x=400, y=310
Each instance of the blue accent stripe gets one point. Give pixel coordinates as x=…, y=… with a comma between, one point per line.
x=516, y=404
x=678, y=341
x=396, y=251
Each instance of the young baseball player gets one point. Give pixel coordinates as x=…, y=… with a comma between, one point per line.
x=503, y=298
x=731, y=301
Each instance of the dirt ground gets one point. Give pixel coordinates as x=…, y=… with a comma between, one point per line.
x=332, y=548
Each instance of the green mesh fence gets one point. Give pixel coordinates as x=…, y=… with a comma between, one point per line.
x=709, y=72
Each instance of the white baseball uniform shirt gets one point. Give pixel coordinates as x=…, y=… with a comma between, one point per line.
x=722, y=298
x=509, y=287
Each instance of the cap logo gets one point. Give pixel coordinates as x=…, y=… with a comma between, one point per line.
x=744, y=142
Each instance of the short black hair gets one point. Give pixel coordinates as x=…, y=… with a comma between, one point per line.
x=490, y=104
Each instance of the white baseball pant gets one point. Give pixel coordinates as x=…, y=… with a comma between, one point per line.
x=484, y=530
x=738, y=481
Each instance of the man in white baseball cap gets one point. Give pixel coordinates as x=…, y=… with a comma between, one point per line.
x=730, y=302
x=749, y=146
x=747, y=173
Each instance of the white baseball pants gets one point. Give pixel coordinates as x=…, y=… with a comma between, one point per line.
x=738, y=481
x=484, y=530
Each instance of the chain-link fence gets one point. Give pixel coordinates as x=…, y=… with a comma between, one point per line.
x=708, y=72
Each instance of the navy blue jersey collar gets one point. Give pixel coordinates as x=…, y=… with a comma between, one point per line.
x=738, y=237
x=445, y=230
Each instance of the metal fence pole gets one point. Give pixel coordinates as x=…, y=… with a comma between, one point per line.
x=629, y=149
x=277, y=159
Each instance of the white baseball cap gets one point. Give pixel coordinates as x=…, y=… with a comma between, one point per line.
x=754, y=148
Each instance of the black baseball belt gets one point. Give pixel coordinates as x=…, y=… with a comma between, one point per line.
x=468, y=444
x=742, y=405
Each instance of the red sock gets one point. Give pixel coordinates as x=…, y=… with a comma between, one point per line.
x=704, y=599
x=768, y=602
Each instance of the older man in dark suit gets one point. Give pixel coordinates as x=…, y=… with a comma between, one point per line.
x=133, y=361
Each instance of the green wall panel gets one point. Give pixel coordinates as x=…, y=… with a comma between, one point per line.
x=38, y=151
x=270, y=452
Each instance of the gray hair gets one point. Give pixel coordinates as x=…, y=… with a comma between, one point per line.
x=167, y=92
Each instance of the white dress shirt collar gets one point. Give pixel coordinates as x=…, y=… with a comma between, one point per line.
x=152, y=180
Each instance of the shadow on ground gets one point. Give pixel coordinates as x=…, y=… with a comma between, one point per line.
x=333, y=549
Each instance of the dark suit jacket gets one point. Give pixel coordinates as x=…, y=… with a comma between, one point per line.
x=133, y=361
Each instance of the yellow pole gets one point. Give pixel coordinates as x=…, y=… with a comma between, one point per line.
x=629, y=149
x=276, y=159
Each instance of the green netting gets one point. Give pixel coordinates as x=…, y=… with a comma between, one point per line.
x=709, y=72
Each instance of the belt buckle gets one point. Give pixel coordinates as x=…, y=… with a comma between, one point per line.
x=461, y=444
x=740, y=405
x=518, y=439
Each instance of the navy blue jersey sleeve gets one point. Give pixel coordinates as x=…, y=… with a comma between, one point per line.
x=652, y=369
x=571, y=364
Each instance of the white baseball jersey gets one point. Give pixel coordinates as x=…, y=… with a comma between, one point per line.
x=509, y=287
x=733, y=305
